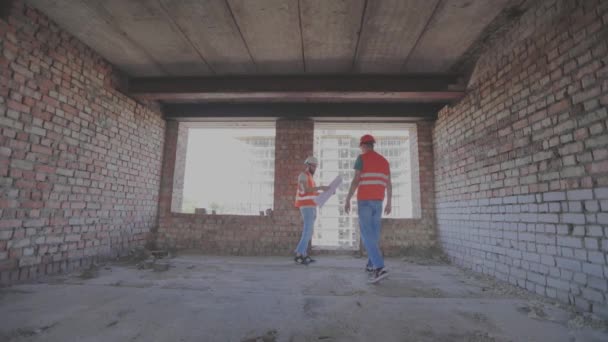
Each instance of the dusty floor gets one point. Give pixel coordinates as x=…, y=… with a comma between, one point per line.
x=202, y=298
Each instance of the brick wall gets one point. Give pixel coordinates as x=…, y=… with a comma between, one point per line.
x=279, y=234
x=521, y=164
x=79, y=161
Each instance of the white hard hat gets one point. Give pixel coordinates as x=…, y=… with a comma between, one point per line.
x=311, y=161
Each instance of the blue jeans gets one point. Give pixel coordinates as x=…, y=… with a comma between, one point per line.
x=309, y=215
x=370, y=215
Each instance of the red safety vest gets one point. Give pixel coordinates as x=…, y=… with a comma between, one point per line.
x=306, y=199
x=374, y=177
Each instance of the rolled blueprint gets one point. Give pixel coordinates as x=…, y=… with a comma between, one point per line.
x=325, y=195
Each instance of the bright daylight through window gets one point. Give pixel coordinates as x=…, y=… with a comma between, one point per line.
x=337, y=147
x=229, y=168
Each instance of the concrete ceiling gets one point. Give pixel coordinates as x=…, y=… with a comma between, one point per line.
x=252, y=37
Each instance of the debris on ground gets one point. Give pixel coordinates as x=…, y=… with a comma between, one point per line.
x=154, y=264
x=154, y=260
x=270, y=336
x=90, y=272
x=473, y=336
x=579, y=321
x=535, y=307
x=146, y=264
x=497, y=287
x=21, y=333
x=111, y=324
x=425, y=256
x=533, y=310
x=134, y=256
x=161, y=266
x=476, y=317
x=424, y=261
x=159, y=253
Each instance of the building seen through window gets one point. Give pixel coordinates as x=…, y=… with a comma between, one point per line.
x=230, y=170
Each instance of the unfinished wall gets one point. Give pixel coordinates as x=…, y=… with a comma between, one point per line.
x=521, y=164
x=79, y=161
x=400, y=234
x=235, y=234
x=279, y=234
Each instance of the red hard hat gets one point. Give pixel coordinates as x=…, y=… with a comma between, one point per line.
x=366, y=139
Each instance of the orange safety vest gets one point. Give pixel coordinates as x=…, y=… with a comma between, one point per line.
x=373, y=178
x=306, y=199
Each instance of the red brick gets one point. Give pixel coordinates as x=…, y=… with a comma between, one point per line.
x=586, y=95
x=32, y=204
x=559, y=107
x=598, y=167
x=44, y=168
x=581, y=134
x=12, y=104
x=42, y=149
x=24, y=184
x=4, y=224
x=600, y=154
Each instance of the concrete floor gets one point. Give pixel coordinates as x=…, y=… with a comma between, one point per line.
x=202, y=298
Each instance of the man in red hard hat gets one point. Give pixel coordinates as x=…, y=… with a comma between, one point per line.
x=372, y=181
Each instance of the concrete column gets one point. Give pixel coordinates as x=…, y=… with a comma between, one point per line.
x=168, y=169
x=180, y=167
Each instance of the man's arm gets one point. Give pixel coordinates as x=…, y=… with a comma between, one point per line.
x=304, y=185
x=316, y=188
x=389, y=195
x=353, y=186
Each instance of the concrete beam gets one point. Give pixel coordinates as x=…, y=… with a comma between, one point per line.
x=189, y=111
x=330, y=88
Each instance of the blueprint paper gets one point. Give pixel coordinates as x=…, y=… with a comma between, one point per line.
x=325, y=195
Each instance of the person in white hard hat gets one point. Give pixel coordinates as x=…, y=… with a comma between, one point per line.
x=306, y=192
